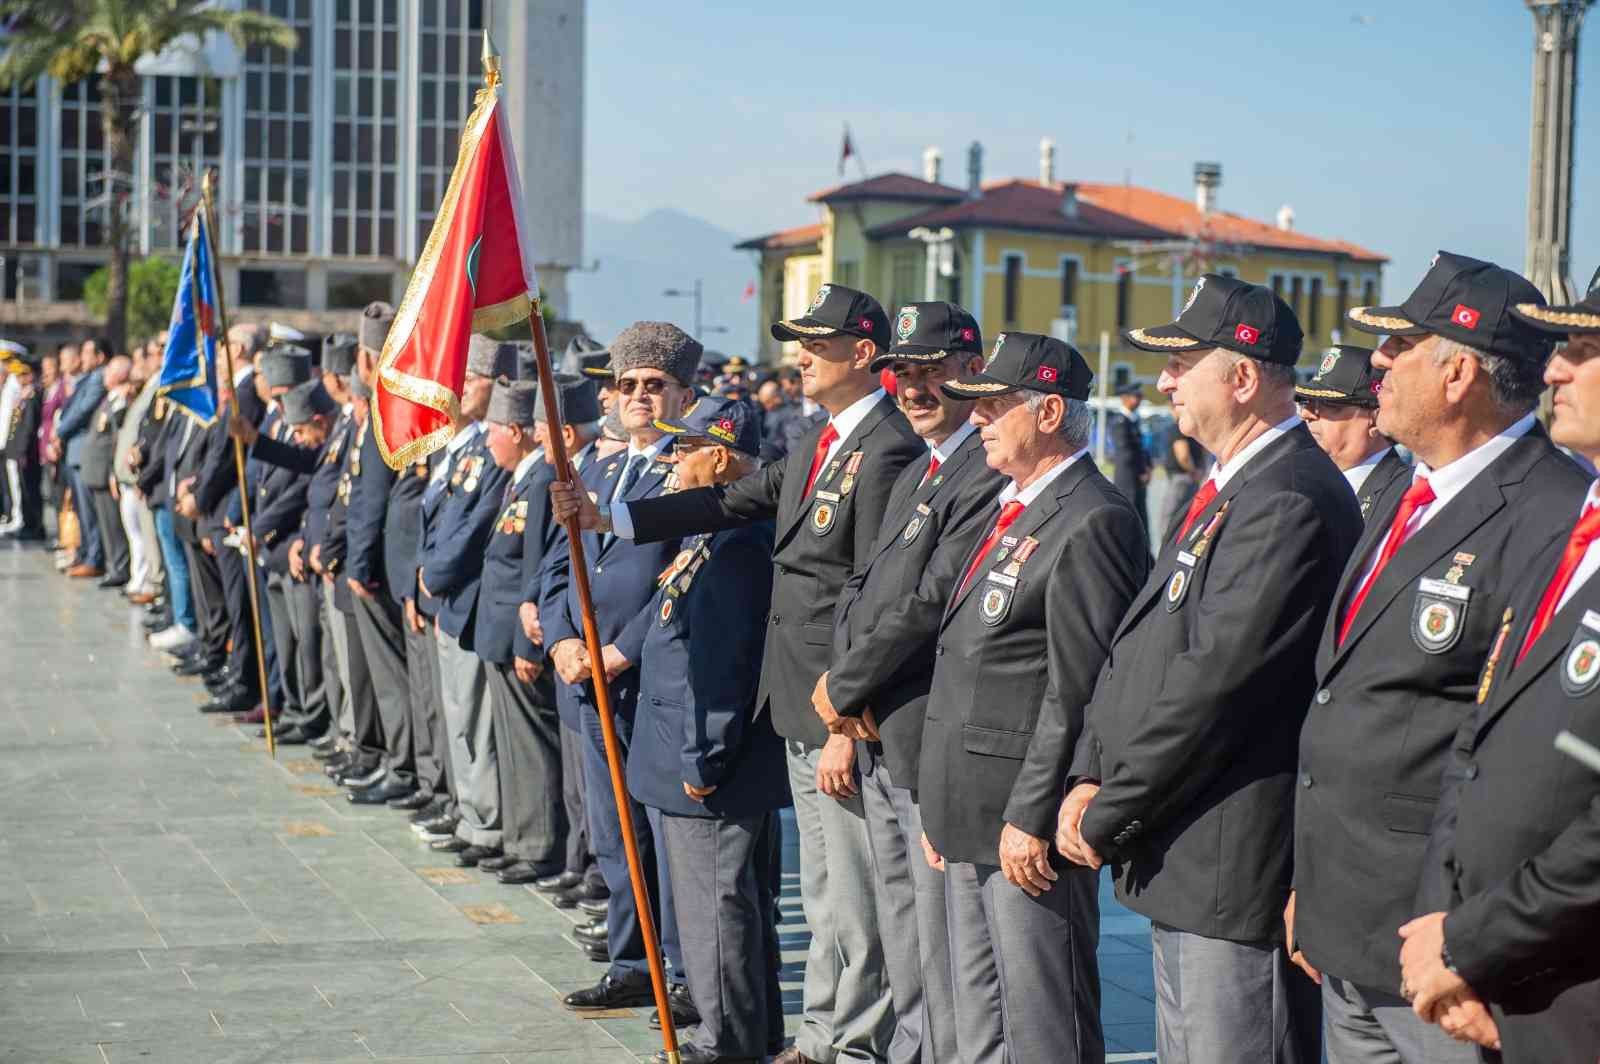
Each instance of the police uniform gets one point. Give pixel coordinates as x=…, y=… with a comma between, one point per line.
x=1347, y=377
x=885, y=630
x=1130, y=460
x=1032, y=609
x=696, y=723
x=1397, y=669
x=1192, y=729
x=824, y=527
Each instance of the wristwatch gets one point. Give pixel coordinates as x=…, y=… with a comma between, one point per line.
x=605, y=519
x=1444, y=955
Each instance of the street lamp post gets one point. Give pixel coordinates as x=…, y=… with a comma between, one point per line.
x=685, y=293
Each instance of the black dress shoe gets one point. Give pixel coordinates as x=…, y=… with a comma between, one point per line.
x=328, y=740
x=110, y=582
x=454, y=844
x=342, y=762
x=684, y=1014
x=361, y=776
x=382, y=791
x=557, y=883
x=154, y=622
x=293, y=735
x=595, y=906
x=438, y=822
x=596, y=951
x=196, y=666
x=693, y=1054
x=469, y=857
x=433, y=810
x=523, y=872
x=496, y=864
x=610, y=993
x=417, y=799
x=234, y=700
x=325, y=753
x=217, y=679
x=569, y=898
x=586, y=934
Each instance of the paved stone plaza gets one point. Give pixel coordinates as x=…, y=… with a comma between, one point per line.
x=170, y=894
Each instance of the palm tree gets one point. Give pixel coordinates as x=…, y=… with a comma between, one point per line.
x=72, y=40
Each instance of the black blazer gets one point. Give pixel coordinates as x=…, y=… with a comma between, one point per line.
x=185, y=448
x=821, y=539
x=1000, y=730
x=1392, y=474
x=1390, y=700
x=889, y=613
x=1515, y=853
x=366, y=513
x=1195, y=720
x=334, y=543
x=323, y=487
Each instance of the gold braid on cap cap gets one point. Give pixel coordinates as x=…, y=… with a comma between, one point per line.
x=1378, y=321
x=1139, y=336
x=1573, y=318
x=980, y=386
x=809, y=330
x=1321, y=393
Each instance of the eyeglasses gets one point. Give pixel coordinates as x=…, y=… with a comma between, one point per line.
x=650, y=385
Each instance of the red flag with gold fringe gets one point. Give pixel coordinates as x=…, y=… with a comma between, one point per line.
x=473, y=276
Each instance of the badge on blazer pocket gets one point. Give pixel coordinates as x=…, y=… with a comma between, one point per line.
x=1178, y=583
x=823, y=512
x=994, y=601
x=915, y=525
x=1438, y=615
x=1580, y=671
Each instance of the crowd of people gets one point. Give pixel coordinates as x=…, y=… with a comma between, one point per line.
x=1312, y=738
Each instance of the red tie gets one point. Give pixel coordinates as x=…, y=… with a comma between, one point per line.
x=1418, y=495
x=1197, y=506
x=1585, y=533
x=824, y=441
x=1008, y=514
x=933, y=467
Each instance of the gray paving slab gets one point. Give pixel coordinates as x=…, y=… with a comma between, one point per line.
x=174, y=895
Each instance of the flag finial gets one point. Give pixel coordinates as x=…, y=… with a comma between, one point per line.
x=491, y=62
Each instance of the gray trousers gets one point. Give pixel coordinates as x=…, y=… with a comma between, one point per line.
x=580, y=858
x=113, y=539
x=729, y=942
x=430, y=750
x=917, y=959
x=1223, y=1002
x=276, y=593
x=305, y=613
x=378, y=620
x=1364, y=1025
x=366, y=726
x=528, y=732
x=338, y=675
x=848, y=1011
x=1043, y=951
x=469, y=727
x=975, y=981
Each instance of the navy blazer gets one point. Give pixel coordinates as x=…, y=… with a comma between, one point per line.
x=522, y=532
x=75, y=416
x=323, y=487
x=700, y=662
x=334, y=540
x=547, y=588
x=364, y=519
x=458, y=531
x=622, y=581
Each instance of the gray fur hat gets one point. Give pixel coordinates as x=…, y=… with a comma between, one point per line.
x=577, y=400
x=513, y=403
x=491, y=358
x=306, y=401
x=656, y=345
x=375, y=321
x=339, y=354
x=285, y=365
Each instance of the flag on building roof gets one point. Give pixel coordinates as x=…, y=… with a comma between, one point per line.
x=472, y=277
x=189, y=362
x=846, y=150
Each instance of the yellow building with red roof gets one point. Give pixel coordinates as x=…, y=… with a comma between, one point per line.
x=1076, y=259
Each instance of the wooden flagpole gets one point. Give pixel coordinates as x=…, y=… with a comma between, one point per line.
x=239, y=468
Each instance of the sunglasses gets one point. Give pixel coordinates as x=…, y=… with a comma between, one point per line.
x=649, y=385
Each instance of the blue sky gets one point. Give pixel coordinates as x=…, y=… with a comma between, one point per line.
x=1399, y=124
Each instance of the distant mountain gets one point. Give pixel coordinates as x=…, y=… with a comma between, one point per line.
x=664, y=249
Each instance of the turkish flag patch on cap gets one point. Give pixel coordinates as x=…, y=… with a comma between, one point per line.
x=1465, y=316
x=1247, y=334
x=1048, y=373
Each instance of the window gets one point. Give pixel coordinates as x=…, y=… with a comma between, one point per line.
x=366, y=132
x=905, y=281
x=1277, y=285
x=1069, y=284
x=1121, y=375
x=275, y=203
x=1369, y=292
x=272, y=288
x=19, y=168
x=846, y=273
x=448, y=42
x=1124, y=296
x=1013, y=294
x=1296, y=287
x=1343, y=302
x=70, y=278
x=185, y=140
x=351, y=291
x=82, y=166
x=1314, y=309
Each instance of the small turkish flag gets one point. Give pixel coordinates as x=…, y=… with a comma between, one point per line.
x=749, y=292
x=1465, y=316
x=1247, y=335
x=1048, y=373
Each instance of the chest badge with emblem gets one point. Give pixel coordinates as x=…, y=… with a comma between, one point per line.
x=822, y=515
x=1439, y=614
x=1580, y=672
x=914, y=526
x=995, y=604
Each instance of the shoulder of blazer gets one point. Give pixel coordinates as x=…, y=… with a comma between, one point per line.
x=1537, y=462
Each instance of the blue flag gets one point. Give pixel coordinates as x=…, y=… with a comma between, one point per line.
x=189, y=363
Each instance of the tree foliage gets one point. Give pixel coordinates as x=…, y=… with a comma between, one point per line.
x=152, y=286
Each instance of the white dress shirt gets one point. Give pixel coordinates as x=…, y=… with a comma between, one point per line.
x=649, y=454
x=1591, y=557
x=943, y=451
x=1222, y=472
x=1357, y=475
x=1026, y=495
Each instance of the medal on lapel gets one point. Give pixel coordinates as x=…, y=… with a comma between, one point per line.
x=474, y=474
x=850, y=468
x=1438, y=614
x=1023, y=552
x=1006, y=545
x=457, y=473
x=515, y=520
x=344, y=489
x=1493, y=664
x=1580, y=672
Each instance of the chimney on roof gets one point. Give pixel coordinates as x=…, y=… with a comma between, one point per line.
x=1047, y=161
x=932, y=163
x=975, y=171
x=1207, y=179
x=1286, y=218
x=1069, y=200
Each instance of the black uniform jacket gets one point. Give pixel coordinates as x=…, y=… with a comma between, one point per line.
x=1392, y=473
x=366, y=513
x=1389, y=701
x=452, y=562
x=323, y=486
x=700, y=666
x=1017, y=655
x=1515, y=853
x=822, y=537
x=334, y=540
x=1195, y=720
x=524, y=512
x=889, y=615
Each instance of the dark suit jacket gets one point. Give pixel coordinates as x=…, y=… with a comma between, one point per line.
x=22, y=444
x=1392, y=473
x=889, y=613
x=1388, y=702
x=185, y=454
x=516, y=527
x=1131, y=461
x=98, y=445
x=1000, y=729
x=452, y=564
x=622, y=583
x=150, y=478
x=812, y=565
x=335, y=542
x=547, y=578
x=700, y=666
x=77, y=414
x=323, y=487
x=1515, y=854
x=370, y=485
x=280, y=496
x=1194, y=725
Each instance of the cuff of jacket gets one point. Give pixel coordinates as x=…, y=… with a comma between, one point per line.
x=1473, y=953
